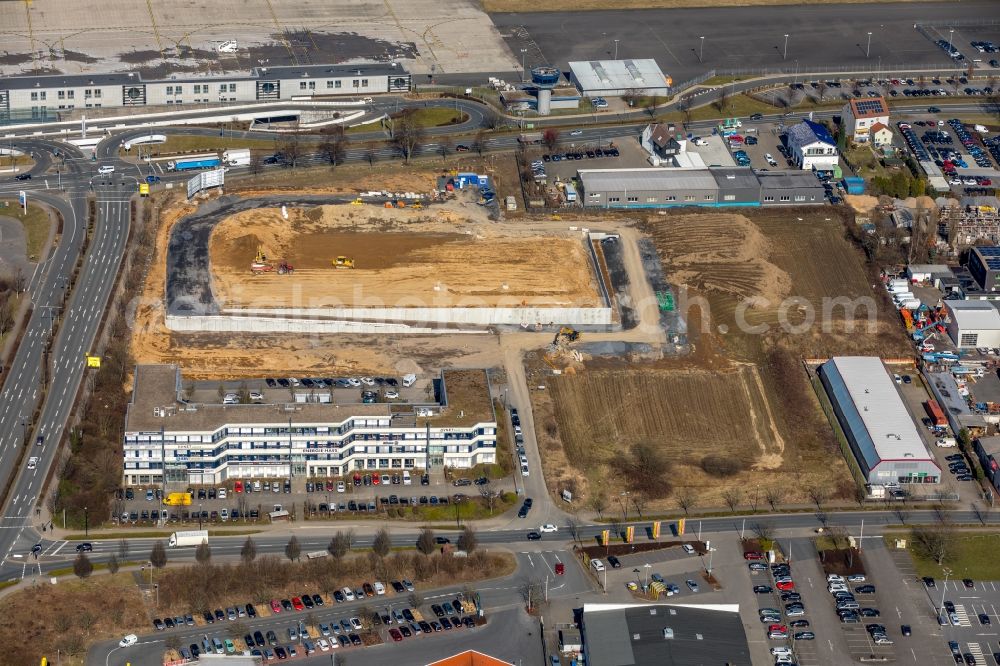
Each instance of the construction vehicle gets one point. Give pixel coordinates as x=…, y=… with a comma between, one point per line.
x=343, y=262
x=260, y=263
x=285, y=268
x=565, y=335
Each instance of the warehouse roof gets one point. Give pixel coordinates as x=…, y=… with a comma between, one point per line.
x=892, y=434
x=731, y=178
x=786, y=180
x=647, y=180
x=618, y=74
x=633, y=635
x=974, y=315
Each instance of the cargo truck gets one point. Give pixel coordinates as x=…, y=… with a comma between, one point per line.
x=189, y=538
x=238, y=157
x=200, y=163
x=934, y=411
x=177, y=499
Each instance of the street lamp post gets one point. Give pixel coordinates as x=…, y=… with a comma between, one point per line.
x=784, y=53
x=199, y=515
x=944, y=589
x=701, y=49
x=951, y=34
x=647, y=567
x=868, y=49
x=616, y=49
x=523, y=52
x=86, y=523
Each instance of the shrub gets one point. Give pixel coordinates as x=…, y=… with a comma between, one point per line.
x=721, y=466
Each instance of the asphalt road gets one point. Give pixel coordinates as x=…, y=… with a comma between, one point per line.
x=819, y=35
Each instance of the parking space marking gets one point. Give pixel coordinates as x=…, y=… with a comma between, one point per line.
x=963, y=616
x=976, y=651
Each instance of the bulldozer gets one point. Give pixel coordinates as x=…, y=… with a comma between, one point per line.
x=343, y=262
x=565, y=335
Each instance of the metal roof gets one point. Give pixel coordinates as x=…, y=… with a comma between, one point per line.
x=989, y=255
x=808, y=132
x=974, y=315
x=646, y=180
x=735, y=178
x=784, y=180
x=618, y=74
x=891, y=433
x=632, y=635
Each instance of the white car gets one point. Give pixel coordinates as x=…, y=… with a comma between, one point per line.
x=256, y=395
x=391, y=395
x=549, y=527
x=946, y=443
x=323, y=645
x=770, y=159
x=341, y=487
x=857, y=578
x=688, y=548
x=368, y=381
x=781, y=649
x=379, y=588
x=128, y=641
x=576, y=133
x=106, y=169
x=222, y=493
x=354, y=381
x=32, y=462
x=348, y=593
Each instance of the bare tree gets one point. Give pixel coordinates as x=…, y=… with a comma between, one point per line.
x=468, y=540
x=639, y=501
x=203, y=553
x=256, y=164
x=493, y=119
x=616, y=527
x=445, y=147
x=249, y=551
x=818, y=495
x=425, y=542
x=382, y=544
x=479, y=141
x=340, y=544
x=158, y=555
x=550, y=138
x=82, y=566
x=933, y=542
x=685, y=499
x=407, y=134
x=334, y=149
x=292, y=549
x=573, y=525
x=598, y=501
x=764, y=531
x=684, y=106
x=489, y=494
x=113, y=564
x=371, y=152
x=415, y=599
x=652, y=105
x=722, y=99
x=632, y=96
x=732, y=497
x=821, y=89
x=123, y=550
x=291, y=149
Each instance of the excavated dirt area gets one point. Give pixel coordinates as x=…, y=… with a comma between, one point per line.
x=435, y=257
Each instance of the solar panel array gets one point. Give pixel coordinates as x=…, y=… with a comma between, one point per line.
x=991, y=257
x=870, y=106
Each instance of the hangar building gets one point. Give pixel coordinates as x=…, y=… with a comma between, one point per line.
x=614, y=78
x=878, y=427
x=973, y=324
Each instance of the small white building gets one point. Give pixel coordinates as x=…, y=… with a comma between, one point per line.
x=812, y=146
x=881, y=135
x=861, y=114
x=973, y=324
x=927, y=272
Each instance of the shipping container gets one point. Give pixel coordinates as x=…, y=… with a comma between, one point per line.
x=934, y=411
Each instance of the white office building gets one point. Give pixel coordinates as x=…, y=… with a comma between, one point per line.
x=812, y=146
x=205, y=442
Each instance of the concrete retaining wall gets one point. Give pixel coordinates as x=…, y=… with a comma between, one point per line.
x=384, y=320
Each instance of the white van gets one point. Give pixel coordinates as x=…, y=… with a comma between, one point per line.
x=409, y=380
x=106, y=169
x=406, y=478
x=597, y=565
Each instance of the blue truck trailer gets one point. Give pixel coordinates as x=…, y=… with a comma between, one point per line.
x=200, y=163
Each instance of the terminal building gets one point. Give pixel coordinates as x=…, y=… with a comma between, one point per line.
x=707, y=187
x=42, y=98
x=876, y=423
x=302, y=432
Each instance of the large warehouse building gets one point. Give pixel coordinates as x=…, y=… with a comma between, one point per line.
x=711, y=186
x=614, y=78
x=973, y=324
x=307, y=433
x=880, y=430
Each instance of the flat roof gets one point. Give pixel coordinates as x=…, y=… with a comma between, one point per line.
x=45, y=81
x=156, y=404
x=974, y=315
x=633, y=635
x=990, y=445
x=636, y=73
x=652, y=179
x=885, y=417
x=785, y=180
x=735, y=178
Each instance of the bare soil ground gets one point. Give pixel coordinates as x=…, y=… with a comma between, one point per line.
x=77, y=612
x=497, y=6
x=743, y=393
x=435, y=257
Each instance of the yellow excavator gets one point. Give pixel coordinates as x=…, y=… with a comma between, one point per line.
x=566, y=335
x=260, y=263
x=343, y=262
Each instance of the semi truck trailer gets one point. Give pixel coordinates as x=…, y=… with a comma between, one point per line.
x=237, y=157
x=189, y=538
x=188, y=165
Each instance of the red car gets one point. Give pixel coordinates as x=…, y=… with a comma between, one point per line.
x=785, y=586
x=753, y=555
x=396, y=636
x=238, y=486
x=297, y=603
x=375, y=479
x=777, y=627
x=560, y=568
x=275, y=606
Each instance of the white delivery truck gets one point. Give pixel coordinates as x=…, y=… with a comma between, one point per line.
x=238, y=157
x=190, y=538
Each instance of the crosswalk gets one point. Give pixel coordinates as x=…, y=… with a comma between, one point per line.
x=963, y=616
x=976, y=651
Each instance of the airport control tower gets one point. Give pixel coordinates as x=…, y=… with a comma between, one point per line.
x=545, y=79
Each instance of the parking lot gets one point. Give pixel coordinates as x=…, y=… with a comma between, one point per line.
x=958, y=149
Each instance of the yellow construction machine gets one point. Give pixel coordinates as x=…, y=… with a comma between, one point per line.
x=343, y=262
x=566, y=335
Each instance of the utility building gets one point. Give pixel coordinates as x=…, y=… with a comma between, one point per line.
x=973, y=324
x=878, y=427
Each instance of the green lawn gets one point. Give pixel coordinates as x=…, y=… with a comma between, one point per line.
x=36, y=224
x=864, y=161
x=433, y=116
x=972, y=556
x=205, y=144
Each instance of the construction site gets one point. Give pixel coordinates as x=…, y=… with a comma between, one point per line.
x=326, y=266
